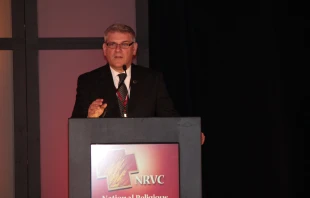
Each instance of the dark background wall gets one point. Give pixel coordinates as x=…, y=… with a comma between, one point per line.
x=239, y=66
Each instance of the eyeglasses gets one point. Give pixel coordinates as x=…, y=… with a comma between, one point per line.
x=114, y=45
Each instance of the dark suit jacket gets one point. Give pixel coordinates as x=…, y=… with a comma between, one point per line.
x=148, y=94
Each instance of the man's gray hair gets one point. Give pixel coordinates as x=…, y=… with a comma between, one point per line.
x=118, y=27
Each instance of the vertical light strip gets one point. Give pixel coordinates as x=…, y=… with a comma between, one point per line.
x=5, y=19
x=6, y=125
x=6, y=106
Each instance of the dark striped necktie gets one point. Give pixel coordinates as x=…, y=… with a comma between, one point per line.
x=122, y=95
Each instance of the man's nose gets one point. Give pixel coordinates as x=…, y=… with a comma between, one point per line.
x=118, y=47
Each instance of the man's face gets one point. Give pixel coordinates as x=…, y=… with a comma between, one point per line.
x=118, y=54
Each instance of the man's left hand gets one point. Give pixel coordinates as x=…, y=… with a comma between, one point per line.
x=202, y=138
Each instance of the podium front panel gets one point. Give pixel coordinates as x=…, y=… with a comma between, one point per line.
x=134, y=158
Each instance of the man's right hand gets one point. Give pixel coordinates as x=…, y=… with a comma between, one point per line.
x=96, y=108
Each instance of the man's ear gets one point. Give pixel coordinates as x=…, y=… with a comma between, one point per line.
x=104, y=47
x=135, y=48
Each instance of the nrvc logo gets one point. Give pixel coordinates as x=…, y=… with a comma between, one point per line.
x=117, y=167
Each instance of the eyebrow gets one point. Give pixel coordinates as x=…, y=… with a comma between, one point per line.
x=120, y=42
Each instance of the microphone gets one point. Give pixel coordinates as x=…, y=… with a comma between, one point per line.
x=124, y=68
x=122, y=82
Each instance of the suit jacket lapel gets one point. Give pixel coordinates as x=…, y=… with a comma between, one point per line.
x=107, y=92
x=135, y=87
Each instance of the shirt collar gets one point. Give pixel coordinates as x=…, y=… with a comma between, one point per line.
x=115, y=73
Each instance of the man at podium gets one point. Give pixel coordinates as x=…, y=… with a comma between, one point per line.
x=121, y=88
